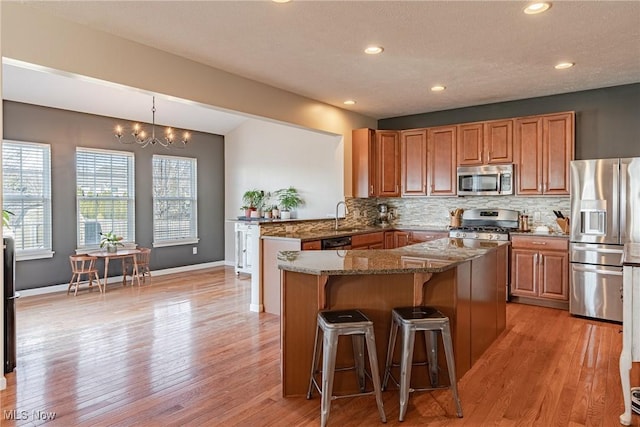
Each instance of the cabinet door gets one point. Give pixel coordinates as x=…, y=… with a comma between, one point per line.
x=388, y=154
x=554, y=275
x=414, y=162
x=557, y=152
x=498, y=141
x=389, y=240
x=442, y=160
x=528, y=155
x=524, y=272
x=401, y=239
x=470, y=144
x=363, y=162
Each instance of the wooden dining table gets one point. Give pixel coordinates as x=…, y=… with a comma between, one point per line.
x=122, y=254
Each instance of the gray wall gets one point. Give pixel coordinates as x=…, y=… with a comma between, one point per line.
x=66, y=130
x=607, y=119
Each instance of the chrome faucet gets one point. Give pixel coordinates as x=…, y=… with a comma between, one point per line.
x=341, y=202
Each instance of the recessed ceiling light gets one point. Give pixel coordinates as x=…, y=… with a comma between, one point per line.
x=537, y=7
x=438, y=88
x=281, y=1
x=564, y=65
x=373, y=50
x=349, y=102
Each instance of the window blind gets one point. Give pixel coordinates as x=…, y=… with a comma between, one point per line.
x=174, y=200
x=26, y=186
x=105, y=195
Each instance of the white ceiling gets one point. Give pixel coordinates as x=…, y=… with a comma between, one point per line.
x=482, y=51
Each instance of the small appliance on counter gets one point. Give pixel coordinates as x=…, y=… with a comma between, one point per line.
x=384, y=216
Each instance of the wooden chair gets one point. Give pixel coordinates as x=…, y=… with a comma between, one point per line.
x=82, y=265
x=142, y=260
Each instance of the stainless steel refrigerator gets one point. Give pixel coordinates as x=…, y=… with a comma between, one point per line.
x=605, y=214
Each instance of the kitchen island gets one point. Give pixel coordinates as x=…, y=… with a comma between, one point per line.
x=464, y=280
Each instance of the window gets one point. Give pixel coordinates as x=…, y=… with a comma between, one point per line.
x=105, y=195
x=174, y=201
x=26, y=186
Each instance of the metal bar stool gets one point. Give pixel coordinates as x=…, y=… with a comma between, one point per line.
x=431, y=321
x=333, y=324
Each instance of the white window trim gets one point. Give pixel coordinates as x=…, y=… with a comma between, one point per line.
x=175, y=242
x=34, y=254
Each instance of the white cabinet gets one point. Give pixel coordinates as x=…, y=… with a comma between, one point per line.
x=630, y=323
x=246, y=237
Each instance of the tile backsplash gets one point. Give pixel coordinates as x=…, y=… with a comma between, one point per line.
x=427, y=211
x=420, y=211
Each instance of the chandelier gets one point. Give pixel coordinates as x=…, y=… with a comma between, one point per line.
x=140, y=136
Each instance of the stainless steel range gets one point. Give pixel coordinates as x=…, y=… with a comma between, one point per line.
x=486, y=224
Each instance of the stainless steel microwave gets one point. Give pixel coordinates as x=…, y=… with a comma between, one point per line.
x=488, y=180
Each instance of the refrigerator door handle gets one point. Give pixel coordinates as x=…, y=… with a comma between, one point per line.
x=602, y=250
x=597, y=271
x=615, y=232
x=623, y=202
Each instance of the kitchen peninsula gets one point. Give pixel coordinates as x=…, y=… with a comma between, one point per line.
x=466, y=283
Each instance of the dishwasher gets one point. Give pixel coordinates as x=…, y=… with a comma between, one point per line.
x=337, y=243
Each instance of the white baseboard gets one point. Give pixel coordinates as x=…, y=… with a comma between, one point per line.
x=258, y=308
x=118, y=279
x=3, y=383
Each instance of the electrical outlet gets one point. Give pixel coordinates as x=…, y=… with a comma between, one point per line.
x=356, y=213
x=536, y=216
x=195, y=250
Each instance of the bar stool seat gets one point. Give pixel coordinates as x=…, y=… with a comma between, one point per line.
x=332, y=324
x=431, y=321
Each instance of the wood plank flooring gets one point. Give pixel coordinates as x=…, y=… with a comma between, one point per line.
x=185, y=350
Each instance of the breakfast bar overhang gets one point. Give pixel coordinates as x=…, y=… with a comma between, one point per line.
x=464, y=280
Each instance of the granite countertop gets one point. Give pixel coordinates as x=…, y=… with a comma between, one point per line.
x=631, y=254
x=428, y=257
x=346, y=231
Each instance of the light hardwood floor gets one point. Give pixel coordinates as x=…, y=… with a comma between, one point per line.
x=185, y=350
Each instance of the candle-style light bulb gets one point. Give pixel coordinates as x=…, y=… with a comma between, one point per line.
x=119, y=131
x=185, y=137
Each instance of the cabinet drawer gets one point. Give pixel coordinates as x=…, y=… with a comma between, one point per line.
x=313, y=245
x=540, y=243
x=367, y=239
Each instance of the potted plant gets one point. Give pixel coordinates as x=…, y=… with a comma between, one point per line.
x=110, y=241
x=6, y=217
x=288, y=199
x=253, y=199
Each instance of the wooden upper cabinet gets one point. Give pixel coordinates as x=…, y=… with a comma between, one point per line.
x=485, y=143
x=498, y=141
x=528, y=155
x=388, y=156
x=544, y=146
x=441, y=166
x=363, y=162
x=557, y=151
x=413, y=149
x=470, y=144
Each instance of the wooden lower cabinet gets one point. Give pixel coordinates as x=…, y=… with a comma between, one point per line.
x=368, y=241
x=540, y=270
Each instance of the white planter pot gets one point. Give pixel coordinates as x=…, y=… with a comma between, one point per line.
x=255, y=214
x=285, y=215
